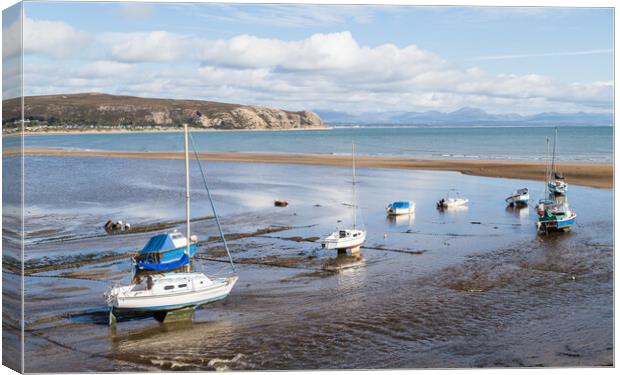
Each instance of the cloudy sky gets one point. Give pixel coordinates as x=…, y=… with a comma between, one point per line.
x=340, y=58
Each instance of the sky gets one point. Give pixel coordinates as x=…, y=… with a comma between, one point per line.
x=321, y=57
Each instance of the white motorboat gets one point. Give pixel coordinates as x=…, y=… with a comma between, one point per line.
x=400, y=208
x=452, y=200
x=347, y=239
x=519, y=197
x=164, y=292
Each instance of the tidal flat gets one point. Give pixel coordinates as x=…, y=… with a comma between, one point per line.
x=474, y=287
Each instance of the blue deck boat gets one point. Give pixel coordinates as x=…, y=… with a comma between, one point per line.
x=400, y=208
x=165, y=252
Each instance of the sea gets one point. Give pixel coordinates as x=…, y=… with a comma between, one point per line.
x=592, y=144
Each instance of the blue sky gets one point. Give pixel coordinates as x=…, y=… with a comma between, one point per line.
x=502, y=60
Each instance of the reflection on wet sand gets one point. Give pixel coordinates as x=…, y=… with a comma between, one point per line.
x=522, y=211
x=400, y=220
x=343, y=261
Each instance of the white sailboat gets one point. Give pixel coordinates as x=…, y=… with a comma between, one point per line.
x=555, y=180
x=347, y=239
x=173, y=291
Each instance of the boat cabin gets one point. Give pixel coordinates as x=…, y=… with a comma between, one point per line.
x=164, y=248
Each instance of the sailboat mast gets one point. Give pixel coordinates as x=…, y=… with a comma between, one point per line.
x=547, y=171
x=555, y=137
x=187, y=250
x=354, y=188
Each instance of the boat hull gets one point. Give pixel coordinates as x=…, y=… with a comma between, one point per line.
x=558, y=225
x=219, y=290
x=399, y=211
x=334, y=243
x=452, y=203
x=518, y=200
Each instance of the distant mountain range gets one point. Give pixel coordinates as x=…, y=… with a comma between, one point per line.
x=466, y=115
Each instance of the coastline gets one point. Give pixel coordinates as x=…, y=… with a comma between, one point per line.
x=584, y=174
x=163, y=130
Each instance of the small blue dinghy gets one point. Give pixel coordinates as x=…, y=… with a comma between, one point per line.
x=400, y=208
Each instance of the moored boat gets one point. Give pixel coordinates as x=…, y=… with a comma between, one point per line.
x=170, y=291
x=347, y=239
x=558, y=185
x=400, y=208
x=555, y=217
x=519, y=197
x=453, y=199
x=164, y=292
x=344, y=239
x=556, y=182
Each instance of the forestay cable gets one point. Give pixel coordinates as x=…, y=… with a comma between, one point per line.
x=217, y=220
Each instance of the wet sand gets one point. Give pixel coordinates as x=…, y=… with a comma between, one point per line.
x=584, y=174
x=474, y=287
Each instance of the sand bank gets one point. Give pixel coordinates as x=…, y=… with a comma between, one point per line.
x=586, y=174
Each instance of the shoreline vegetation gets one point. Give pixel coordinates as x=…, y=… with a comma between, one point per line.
x=584, y=174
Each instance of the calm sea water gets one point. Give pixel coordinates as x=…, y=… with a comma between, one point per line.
x=587, y=144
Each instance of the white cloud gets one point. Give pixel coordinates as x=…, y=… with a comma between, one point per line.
x=155, y=46
x=322, y=71
x=11, y=39
x=105, y=68
x=52, y=38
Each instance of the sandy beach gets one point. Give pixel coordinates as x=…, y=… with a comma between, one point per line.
x=585, y=174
